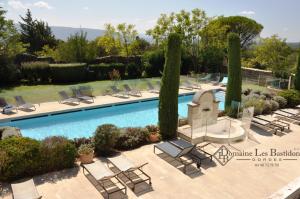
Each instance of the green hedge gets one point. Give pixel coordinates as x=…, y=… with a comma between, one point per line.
x=292, y=97
x=24, y=157
x=35, y=71
x=101, y=71
x=65, y=73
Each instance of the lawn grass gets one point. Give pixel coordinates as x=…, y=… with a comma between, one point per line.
x=46, y=93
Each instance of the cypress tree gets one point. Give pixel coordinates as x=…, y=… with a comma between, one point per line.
x=297, y=77
x=234, y=86
x=168, y=97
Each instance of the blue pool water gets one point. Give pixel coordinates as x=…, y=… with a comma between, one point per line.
x=84, y=123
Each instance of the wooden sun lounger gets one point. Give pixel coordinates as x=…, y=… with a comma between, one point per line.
x=117, y=92
x=25, y=190
x=277, y=122
x=134, y=173
x=105, y=178
x=265, y=125
x=287, y=116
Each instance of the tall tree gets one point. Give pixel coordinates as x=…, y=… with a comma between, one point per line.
x=188, y=24
x=127, y=34
x=297, y=77
x=36, y=34
x=274, y=54
x=168, y=97
x=10, y=46
x=217, y=30
x=234, y=86
x=108, y=43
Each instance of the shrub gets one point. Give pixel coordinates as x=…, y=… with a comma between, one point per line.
x=258, y=105
x=247, y=91
x=134, y=70
x=274, y=104
x=154, y=63
x=268, y=95
x=132, y=138
x=79, y=141
x=186, y=63
x=168, y=96
x=281, y=101
x=57, y=153
x=297, y=76
x=267, y=108
x=101, y=71
x=292, y=97
x=21, y=157
x=35, y=71
x=234, y=86
x=65, y=73
x=152, y=128
x=105, y=138
x=85, y=149
x=9, y=73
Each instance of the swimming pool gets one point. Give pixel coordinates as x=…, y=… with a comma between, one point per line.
x=84, y=123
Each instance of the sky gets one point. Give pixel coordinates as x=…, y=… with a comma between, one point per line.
x=279, y=17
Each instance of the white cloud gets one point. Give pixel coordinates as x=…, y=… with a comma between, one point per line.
x=247, y=12
x=17, y=5
x=285, y=29
x=42, y=4
x=85, y=7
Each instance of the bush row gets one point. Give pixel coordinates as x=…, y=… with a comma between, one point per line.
x=76, y=72
x=24, y=157
x=265, y=103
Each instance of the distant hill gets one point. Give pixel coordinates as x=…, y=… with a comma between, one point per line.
x=64, y=32
x=294, y=45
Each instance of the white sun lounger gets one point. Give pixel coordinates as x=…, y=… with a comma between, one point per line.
x=132, y=172
x=25, y=190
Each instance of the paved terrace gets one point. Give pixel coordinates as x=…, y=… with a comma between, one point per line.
x=237, y=179
x=55, y=107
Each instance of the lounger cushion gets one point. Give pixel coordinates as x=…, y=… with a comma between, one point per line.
x=121, y=162
x=25, y=190
x=98, y=170
x=169, y=148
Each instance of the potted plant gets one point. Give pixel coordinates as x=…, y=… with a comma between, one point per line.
x=86, y=153
x=154, y=135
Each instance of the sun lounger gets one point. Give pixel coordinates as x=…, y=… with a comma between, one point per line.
x=151, y=88
x=224, y=81
x=133, y=173
x=66, y=99
x=276, y=122
x=186, y=86
x=25, y=190
x=23, y=105
x=117, y=92
x=130, y=91
x=86, y=90
x=80, y=96
x=207, y=78
x=267, y=126
x=291, y=111
x=287, y=116
x=105, y=178
x=183, y=155
x=7, y=108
